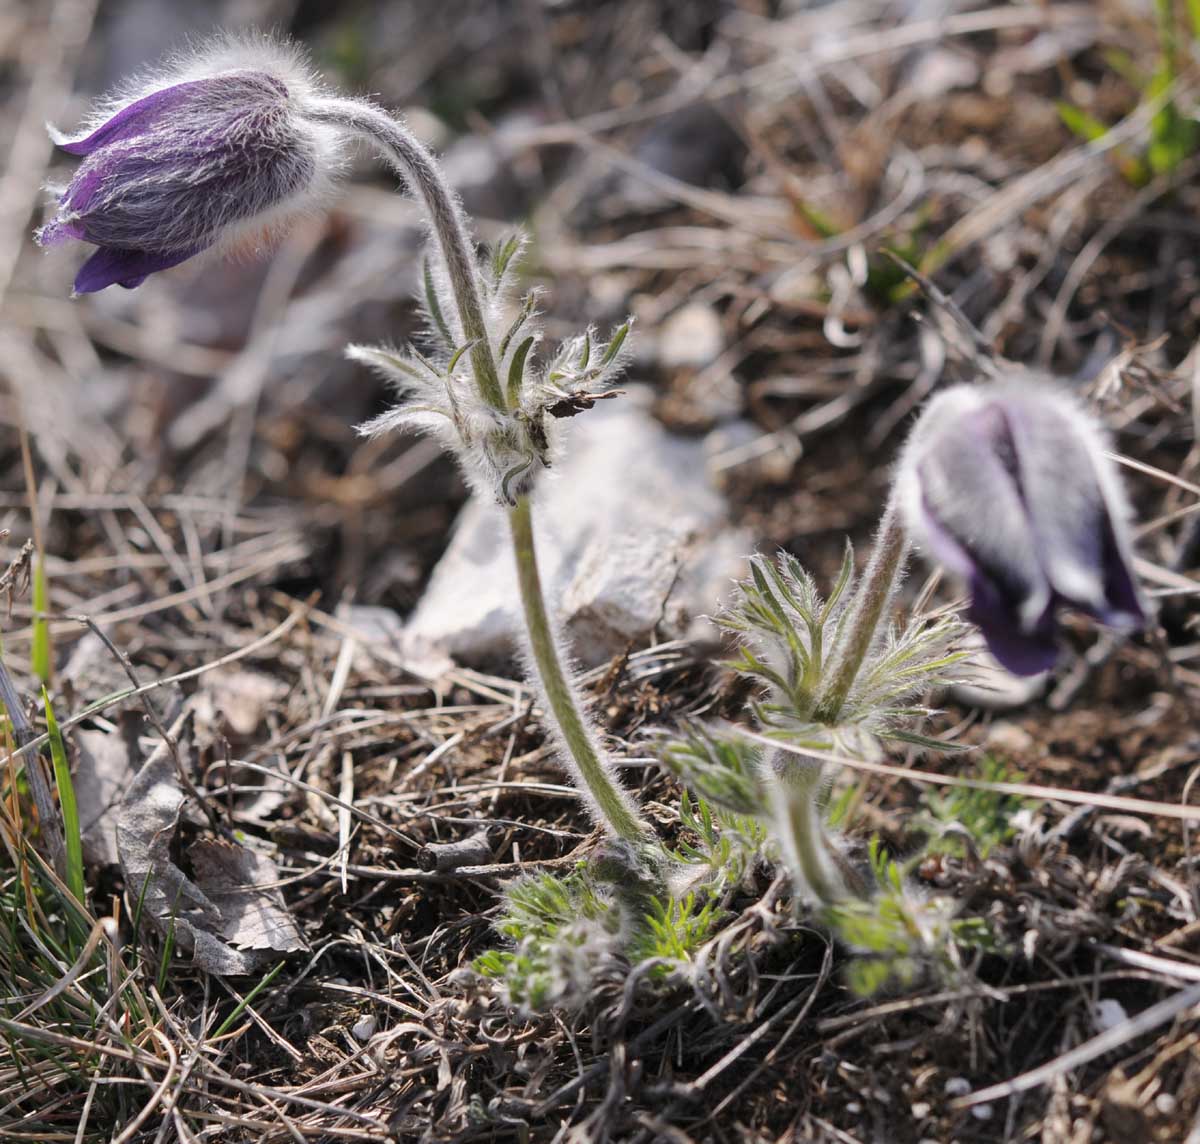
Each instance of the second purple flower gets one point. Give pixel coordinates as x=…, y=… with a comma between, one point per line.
x=1009, y=487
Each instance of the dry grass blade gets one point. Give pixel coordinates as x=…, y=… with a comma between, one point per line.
x=1028, y=790
x=1107, y=1042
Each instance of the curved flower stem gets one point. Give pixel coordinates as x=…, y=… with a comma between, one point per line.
x=871, y=599
x=611, y=805
x=416, y=166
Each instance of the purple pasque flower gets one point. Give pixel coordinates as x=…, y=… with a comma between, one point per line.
x=1009, y=487
x=216, y=150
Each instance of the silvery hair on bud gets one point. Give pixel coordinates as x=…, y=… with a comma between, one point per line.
x=243, y=124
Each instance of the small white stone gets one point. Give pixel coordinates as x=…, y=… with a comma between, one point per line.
x=1108, y=1014
x=941, y=70
x=691, y=336
x=364, y=1028
x=1009, y=739
x=957, y=1086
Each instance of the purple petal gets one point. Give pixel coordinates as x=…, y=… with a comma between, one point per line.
x=973, y=510
x=944, y=547
x=1010, y=488
x=209, y=163
x=163, y=178
x=57, y=232
x=1021, y=652
x=1072, y=510
x=1120, y=588
x=136, y=119
x=128, y=268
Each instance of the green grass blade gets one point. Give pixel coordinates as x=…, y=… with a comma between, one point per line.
x=1080, y=123
x=168, y=951
x=66, y=800
x=40, y=654
x=240, y=1008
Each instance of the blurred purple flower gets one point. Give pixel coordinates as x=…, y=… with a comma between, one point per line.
x=1009, y=487
x=220, y=154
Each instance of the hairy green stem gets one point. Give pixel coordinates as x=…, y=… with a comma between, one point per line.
x=417, y=167
x=866, y=610
x=796, y=784
x=610, y=803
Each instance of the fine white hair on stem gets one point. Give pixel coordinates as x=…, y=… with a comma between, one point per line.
x=599, y=814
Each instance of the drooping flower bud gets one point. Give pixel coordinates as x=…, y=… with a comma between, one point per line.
x=1008, y=486
x=215, y=150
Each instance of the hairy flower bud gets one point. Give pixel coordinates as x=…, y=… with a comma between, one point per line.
x=1009, y=487
x=216, y=149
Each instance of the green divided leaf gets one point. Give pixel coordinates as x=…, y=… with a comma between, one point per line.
x=502, y=256
x=456, y=356
x=434, y=308
x=516, y=371
x=616, y=342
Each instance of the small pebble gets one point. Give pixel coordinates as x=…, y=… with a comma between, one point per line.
x=1108, y=1014
x=364, y=1028
x=691, y=336
x=1009, y=739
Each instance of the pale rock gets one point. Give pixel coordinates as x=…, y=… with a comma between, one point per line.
x=380, y=628
x=692, y=336
x=1009, y=740
x=633, y=541
x=364, y=1028
x=426, y=126
x=238, y=701
x=940, y=71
